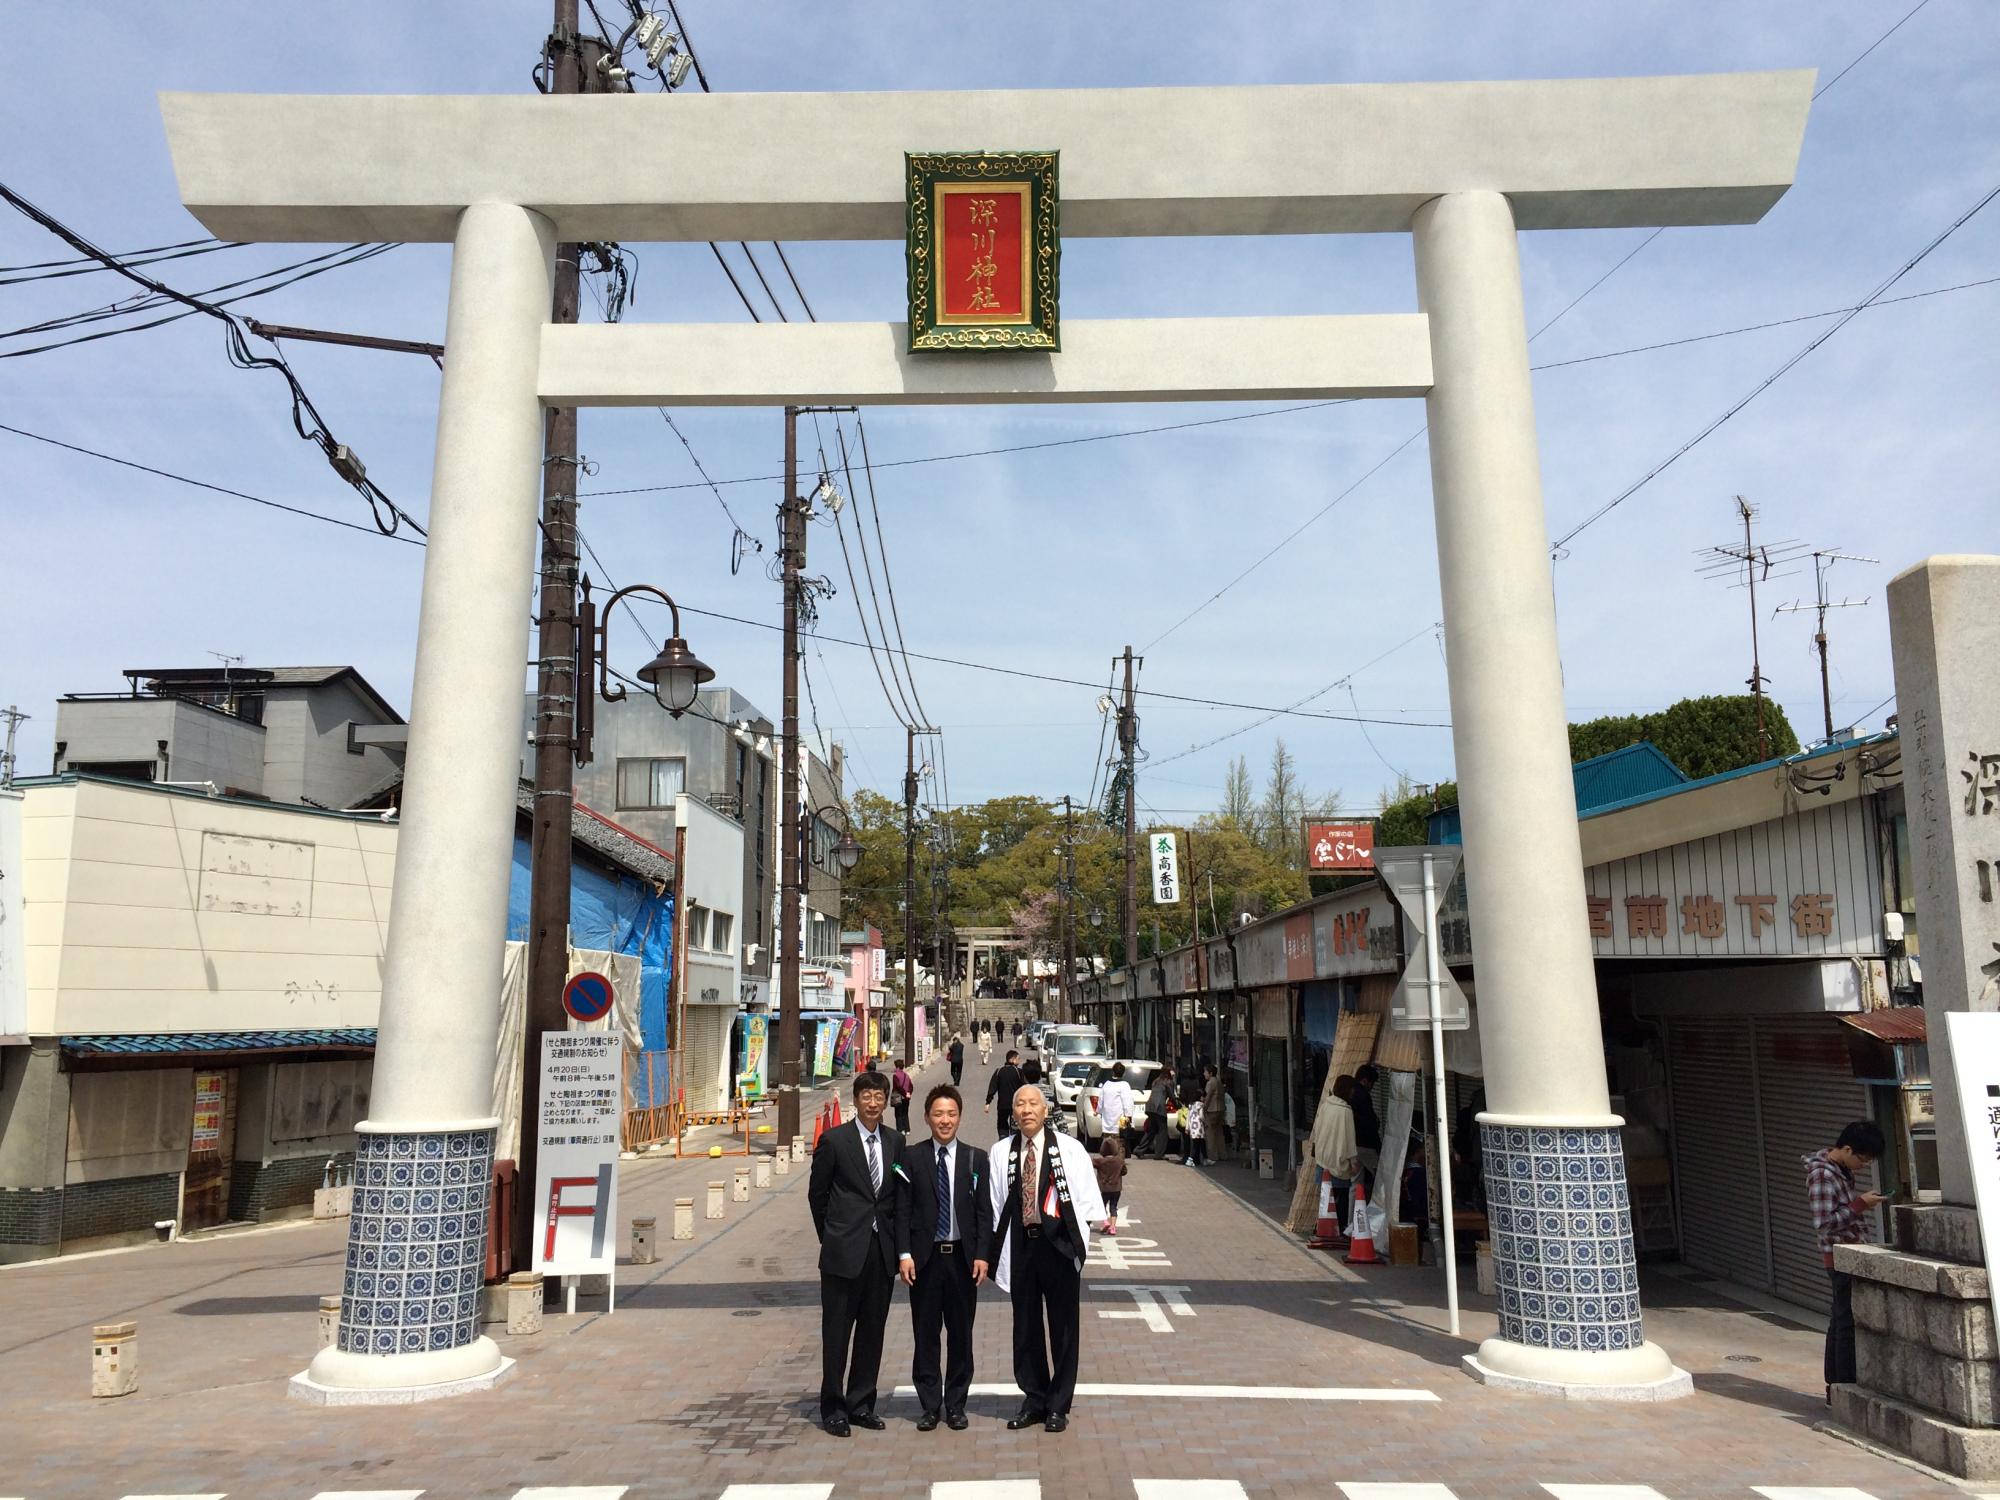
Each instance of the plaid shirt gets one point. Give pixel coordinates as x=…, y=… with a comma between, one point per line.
x=1836, y=1207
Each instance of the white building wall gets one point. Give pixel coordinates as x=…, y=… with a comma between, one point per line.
x=156, y=911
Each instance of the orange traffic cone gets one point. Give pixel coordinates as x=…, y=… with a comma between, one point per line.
x=819, y=1127
x=833, y=1106
x=1328, y=1235
x=1361, y=1247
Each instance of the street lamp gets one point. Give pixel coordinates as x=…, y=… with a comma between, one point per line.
x=847, y=853
x=675, y=675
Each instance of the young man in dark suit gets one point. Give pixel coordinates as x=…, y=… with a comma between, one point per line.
x=854, y=1195
x=946, y=1225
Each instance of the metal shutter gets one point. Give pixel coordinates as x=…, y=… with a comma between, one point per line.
x=1718, y=1170
x=1806, y=1092
x=707, y=1047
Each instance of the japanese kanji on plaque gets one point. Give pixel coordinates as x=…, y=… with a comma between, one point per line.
x=983, y=249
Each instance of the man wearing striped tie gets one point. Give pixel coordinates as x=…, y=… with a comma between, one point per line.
x=946, y=1224
x=1045, y=1203
x=855, y=1196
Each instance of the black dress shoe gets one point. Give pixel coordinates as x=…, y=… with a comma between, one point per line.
x=1056, y=1422
x=955, y=1420
x=837, y=1427
x=1027, y=1416
x=867, y=1419
x=927, y=1422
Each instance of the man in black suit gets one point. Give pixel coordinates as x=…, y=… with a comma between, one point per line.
x=855, y=1199
x=946, y=1227
x=1004, y=1084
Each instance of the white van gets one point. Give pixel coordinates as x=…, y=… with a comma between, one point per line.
x=1059, y=1044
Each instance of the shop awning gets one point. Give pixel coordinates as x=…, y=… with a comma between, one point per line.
x=210, y=1044
x=1897, y=1023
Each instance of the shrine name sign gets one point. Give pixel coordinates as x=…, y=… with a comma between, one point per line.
x=983, y=249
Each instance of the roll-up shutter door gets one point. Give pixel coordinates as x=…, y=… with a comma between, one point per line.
x=1718, y=1172
x=707, y=1034
x=1807, y=1092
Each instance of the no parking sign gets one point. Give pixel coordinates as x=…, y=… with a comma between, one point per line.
x=587, y=996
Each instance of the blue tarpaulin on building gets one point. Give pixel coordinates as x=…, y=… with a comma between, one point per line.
x=1321, y=1006
x=619, y=913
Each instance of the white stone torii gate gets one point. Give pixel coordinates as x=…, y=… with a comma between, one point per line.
x=1461, y=167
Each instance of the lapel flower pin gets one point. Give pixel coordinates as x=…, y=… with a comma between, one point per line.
x=898, y=1170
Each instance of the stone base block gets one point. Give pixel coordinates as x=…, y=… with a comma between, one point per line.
x=304, y=1388
x=1671, y=1388
x=1942, y=1231
x=1966, y=1452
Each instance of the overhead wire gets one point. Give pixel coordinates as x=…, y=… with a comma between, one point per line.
x=83, y=265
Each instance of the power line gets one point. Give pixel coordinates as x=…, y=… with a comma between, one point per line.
x=1769, y=380
x=83, y=265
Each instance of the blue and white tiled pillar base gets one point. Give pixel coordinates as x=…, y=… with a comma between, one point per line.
x=1559, y=1218
x=416, y=1260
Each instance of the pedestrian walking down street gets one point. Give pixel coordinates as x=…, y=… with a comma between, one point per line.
x=1045, y=1202
x=1111, y=1169
x=946, y=1249
x=1194, y=1133
x=1212, y=1112
x=955, y=1055
x=1837, y=1210
x=1160, y=1103
x=855, y=1199
x=1116, y=1107
x=901, y=1087
x=1000, y=1090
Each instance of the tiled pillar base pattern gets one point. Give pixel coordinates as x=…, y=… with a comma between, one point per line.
x=416, y=1241
x=1560, y=1219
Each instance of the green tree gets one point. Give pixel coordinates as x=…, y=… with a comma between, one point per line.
x=1703, y=736
x=1405, y=818
x=1239, y=797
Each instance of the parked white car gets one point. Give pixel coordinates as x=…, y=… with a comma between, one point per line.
x=1072, y=1077
x=1139, y=1072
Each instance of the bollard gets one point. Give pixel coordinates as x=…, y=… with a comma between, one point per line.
x=114, y=1359
x=739, y=1186
x=683, y=1218
x=715, y=1200
x=1489, y=1281
x=524, y=1302
x=781, y=1163
x=1267, y=1165
x=329, y=1321
x=642, y=1241
x=760, y=1172
x=798, y=1148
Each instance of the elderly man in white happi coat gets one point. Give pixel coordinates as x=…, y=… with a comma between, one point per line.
x=1045, y=1204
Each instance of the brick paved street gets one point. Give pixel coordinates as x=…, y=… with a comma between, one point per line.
x=706, y=1376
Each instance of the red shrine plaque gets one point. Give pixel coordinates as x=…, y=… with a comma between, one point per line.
x=983, y=250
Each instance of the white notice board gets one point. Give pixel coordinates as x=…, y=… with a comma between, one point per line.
x=576, y=1157
x=1975, y=1063
x=1164, y=857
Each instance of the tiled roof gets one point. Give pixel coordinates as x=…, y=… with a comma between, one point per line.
x=166, y=1044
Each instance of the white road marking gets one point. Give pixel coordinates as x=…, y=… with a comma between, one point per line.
x=572, y=1492
x=1397, y=1492
x=368, y=1495
x=1809, y=1492
x=1125, y=1253
x=1188, y=1489
x=176, y=1497
x=987, y=1489
x=1223, y=1393
x=1149, y=1311
x=1603, y=1492
x=778, y=1492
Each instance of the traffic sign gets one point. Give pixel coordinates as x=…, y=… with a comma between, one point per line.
x=587, y=996
x=1403, y=871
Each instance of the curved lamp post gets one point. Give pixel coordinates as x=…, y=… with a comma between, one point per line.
x=675, y=676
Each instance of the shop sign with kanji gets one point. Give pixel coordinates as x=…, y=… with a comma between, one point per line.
x=984, y=249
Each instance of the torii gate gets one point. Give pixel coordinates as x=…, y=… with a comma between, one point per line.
x=1460, y=167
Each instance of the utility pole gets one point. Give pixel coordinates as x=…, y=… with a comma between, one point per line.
x=1069, y=907
x=15, y=719
x=1823, y=562
x=1128, y=744
x=910, y=893
x=792, y=557
x=555, y=709
x=1755, y=562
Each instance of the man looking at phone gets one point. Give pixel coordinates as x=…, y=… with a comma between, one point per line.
x=1839, y=1213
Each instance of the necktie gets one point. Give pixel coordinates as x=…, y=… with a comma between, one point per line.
x=874, y=1165
x=1031, y=1187
x=943, y=1193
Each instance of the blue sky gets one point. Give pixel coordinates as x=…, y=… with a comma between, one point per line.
x=1052, y=559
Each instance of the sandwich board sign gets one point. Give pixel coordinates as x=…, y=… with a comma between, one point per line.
x=576, y=1160
x=1425, y=975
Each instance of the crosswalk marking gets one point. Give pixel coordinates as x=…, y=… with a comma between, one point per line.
x=778, y=1492
x=368, y=1495
x=1809, y=1492
x=1604, y=1492
x=572, y=1492
x=1187, y=1489
x=1397, y=1492
x=987, y=1489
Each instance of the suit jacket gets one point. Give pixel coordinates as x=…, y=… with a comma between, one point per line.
x=846, y=1209
x=917, y=1219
